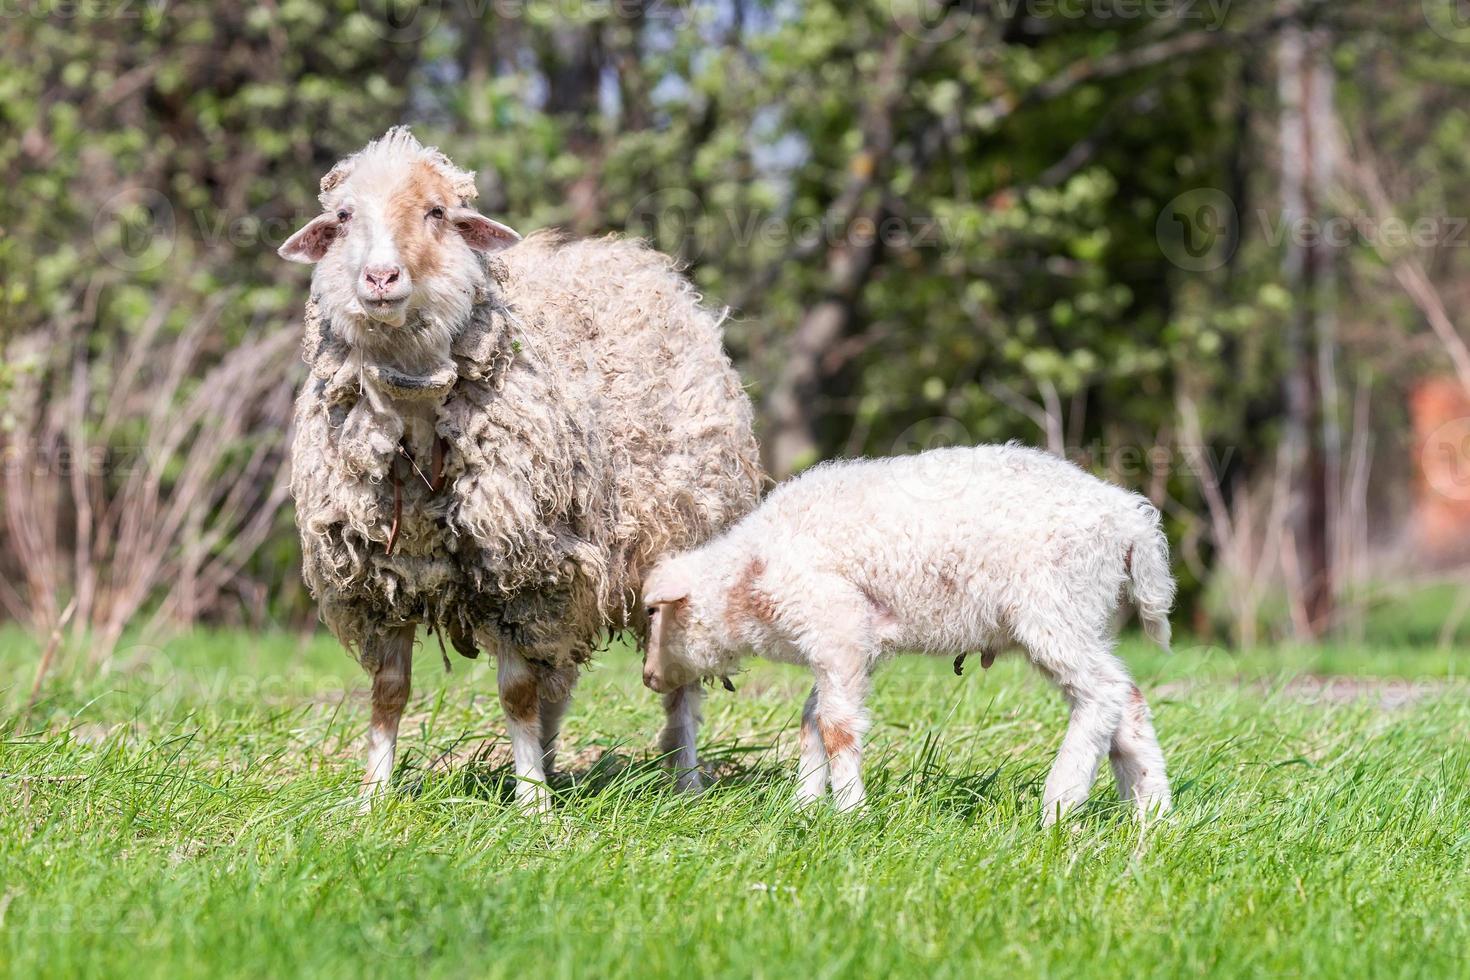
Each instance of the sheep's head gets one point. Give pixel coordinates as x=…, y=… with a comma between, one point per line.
x=397, y=235
x=682, y=643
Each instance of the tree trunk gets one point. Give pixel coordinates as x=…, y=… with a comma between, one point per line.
x=1312, y=434
x=794, y=405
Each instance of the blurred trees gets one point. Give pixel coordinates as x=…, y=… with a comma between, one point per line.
x=933, y=222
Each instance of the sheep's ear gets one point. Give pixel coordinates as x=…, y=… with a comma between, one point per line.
x=482, y=234
x=311, y=242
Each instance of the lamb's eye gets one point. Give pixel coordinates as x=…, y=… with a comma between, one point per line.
x=343, y=215
x=652, y=610
x=436, y=212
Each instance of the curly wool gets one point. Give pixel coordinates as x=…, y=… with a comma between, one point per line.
x=592, y=421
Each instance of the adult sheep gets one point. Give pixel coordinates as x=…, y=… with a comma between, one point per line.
x=497, y=438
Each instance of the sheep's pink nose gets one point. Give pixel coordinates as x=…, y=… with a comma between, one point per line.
x=380, y=277
x=650, y=680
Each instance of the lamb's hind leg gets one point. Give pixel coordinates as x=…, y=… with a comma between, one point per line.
x=1096, y=685
x=679, y=740
x=389, y=657
x=520, y=697
x=1138, y=762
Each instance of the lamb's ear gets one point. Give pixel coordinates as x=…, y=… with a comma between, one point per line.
x=312, y=241
x=482, y=234
x=665, y=585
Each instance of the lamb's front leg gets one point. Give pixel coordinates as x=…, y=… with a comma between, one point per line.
x=842, y=721
x=679, y=739
x=389, y=657
x=520, y=698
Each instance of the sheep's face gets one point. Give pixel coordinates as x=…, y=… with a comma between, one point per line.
x=397, y=237
x=682, y=644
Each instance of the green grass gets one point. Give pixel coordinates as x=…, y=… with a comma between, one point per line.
x=189, y=812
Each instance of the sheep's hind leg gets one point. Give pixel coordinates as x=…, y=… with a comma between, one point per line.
x=1096, y=685
x=813, y=776
x=520, y=697
x=1137, y=760
x=390, y=660
x=678, y=742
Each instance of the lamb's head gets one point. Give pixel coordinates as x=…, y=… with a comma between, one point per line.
x=397, y=238
x=683, y=643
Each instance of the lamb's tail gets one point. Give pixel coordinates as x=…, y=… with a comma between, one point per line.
x=1149, y=581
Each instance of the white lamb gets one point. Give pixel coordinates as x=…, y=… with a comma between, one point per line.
x=948, y=552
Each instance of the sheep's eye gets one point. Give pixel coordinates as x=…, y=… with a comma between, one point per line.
x=651, y=611
x=436, y=212
x=343, y=215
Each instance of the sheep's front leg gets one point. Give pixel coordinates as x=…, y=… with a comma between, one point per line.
x=520, y=698
x=390, y=660
x=813, y=775
x=554, y=695
x=680, y=736
x=842, y=721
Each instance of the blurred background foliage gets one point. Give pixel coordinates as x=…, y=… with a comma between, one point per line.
x=932, y=222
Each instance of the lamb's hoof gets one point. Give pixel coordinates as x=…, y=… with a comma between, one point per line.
x=805, y=800
x=1055, y=812
x=1151, y=808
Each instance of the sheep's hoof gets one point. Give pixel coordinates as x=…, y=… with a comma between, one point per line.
x=689, y=781
x=534, y=800
x=370, y=796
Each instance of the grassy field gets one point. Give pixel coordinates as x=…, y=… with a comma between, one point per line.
x=189, y=810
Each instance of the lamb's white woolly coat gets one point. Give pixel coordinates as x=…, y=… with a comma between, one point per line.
x=948, y=552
